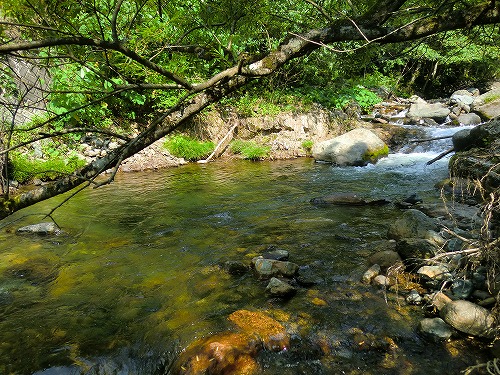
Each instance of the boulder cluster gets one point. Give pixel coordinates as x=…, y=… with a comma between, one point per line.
x=457, y=294
x=281, y=276
x=463, y=107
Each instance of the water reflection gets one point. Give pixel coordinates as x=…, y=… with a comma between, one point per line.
x=136, y=276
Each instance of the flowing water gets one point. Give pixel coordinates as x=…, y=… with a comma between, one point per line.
x=136, y=275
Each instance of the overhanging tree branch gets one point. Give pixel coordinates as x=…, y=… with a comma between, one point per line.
x=198, y=97
x=105, y=45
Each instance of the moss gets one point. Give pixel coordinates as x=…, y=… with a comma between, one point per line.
x=372, y=156
x=492, y=97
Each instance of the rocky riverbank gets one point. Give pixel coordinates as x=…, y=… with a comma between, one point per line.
x=289, y=135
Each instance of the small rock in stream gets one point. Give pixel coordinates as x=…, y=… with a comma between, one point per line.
x=414, y=298
x=436, y=329
x=370, y=274
x=279, y=288
x=277, y=254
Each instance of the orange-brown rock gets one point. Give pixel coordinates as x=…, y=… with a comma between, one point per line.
x=224, y=354
x=272, y=334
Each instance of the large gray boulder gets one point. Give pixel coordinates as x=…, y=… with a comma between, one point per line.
x=358, y=147
x=462, y=97
x=488, y=104
x=435, y=111
x=469, y=119
x=469, y=318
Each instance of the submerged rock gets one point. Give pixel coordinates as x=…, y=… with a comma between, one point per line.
x=227, y=353
x=412, y=224
x=234, y=267
x=280, y=289
x=267, y=268
x=234, y=353
x=255, y=323
x=307, y=277
x=347, y=199
x=435, y=328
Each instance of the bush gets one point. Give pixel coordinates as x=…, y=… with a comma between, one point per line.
x=307, y=145
x=188, y=148
x=250, y=150
x=23, y=169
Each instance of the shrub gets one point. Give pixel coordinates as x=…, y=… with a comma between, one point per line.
x=307, y=145
x=23, y=169
x=250, y=150
x=188, y=148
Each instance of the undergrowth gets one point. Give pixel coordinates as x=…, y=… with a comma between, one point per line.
x=188, y=148
x=249, y=149
x=24, y=169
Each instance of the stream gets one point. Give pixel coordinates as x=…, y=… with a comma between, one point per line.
x=135, y=276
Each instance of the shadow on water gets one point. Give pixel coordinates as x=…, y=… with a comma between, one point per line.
x=136, y=276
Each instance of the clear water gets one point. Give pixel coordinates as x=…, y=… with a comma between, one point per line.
x=135, y=277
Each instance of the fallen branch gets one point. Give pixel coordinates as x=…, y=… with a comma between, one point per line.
x=451, y=253
x=440, y=156
x=430, y=139
x=218, y=145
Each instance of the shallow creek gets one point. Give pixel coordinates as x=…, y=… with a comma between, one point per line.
x=135, y=276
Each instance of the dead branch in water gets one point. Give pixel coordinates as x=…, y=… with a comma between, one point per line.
x=440, y=156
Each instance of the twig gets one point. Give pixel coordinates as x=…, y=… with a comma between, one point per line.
x=456, y=235
x=451, y=253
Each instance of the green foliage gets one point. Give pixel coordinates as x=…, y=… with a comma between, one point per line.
x=188, y=148
x=250, y=150
x=256, y=102
x=24, y=169
x=335, y=97
x=307, y=145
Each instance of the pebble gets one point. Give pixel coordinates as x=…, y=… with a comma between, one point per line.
x=370, y=274
x=414, y=298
